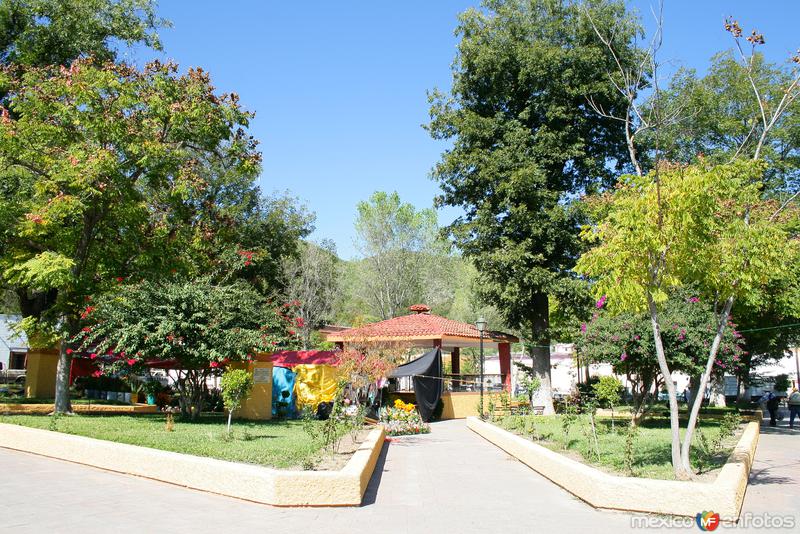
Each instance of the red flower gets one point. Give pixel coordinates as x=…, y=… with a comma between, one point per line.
x=69, y=351
x=214, y=364
x=120, y=279
x=97, y=374
x=87, y=329
x=292, y=332
x=299, y=322
x=93, y=356
x=131, y=361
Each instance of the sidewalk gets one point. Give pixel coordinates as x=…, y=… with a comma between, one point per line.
x=775, y=476
x=448, y=481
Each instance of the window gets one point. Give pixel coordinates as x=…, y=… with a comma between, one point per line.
x=17, y=360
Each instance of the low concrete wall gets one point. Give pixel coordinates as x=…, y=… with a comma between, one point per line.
x=602, y=490
x=251, y=482
x=106, y=409
x=460, y=404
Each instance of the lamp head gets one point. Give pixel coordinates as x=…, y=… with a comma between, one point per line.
x=480, y=324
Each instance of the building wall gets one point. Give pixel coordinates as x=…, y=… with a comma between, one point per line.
x=8, y=341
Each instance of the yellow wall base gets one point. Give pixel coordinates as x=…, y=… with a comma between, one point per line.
x=40, y=375
x=258, y=405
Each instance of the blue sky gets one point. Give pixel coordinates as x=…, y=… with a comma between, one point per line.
x=339, y=88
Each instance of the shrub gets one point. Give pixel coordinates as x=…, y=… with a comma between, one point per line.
x=236, y=385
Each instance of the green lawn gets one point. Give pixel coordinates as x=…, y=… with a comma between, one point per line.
x=277, y=444
x=651, y=456
x=4, y=399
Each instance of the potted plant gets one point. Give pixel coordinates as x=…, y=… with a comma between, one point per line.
x=151, y=389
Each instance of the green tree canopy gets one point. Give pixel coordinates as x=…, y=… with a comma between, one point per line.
x=105, y=175
x=400, y=247
x=55, y=32
x=200, y=325
x=625, y=340
x=703, y=225
x=525, y=144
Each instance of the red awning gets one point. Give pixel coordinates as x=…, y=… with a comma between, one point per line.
x=290, y=358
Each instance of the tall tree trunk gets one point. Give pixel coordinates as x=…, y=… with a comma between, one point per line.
x=680, y=471
x=698, y=401
x=717, y=395
x=694, y=389
x=540, y=351
x=62, y=402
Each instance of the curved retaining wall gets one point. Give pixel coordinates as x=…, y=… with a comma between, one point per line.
x=251, y=482
x=603, y=490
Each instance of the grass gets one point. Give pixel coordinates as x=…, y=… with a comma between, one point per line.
x=278, y=444
x=651, y=450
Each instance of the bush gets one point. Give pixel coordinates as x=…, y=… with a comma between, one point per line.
x=236, y=385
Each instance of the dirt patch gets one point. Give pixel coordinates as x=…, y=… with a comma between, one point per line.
x=325, y=461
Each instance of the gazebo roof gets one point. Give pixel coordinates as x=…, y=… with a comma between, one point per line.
x=421, y=325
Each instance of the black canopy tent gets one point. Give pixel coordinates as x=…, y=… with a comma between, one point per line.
x=426, y=372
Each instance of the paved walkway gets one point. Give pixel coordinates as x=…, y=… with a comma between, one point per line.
x=448, y=481
x=775, y=476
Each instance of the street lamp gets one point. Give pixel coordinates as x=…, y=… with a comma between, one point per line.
x=480, y=324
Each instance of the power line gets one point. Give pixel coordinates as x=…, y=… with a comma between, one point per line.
x=793, y=325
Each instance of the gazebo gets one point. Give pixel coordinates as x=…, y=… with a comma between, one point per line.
x=422, y=329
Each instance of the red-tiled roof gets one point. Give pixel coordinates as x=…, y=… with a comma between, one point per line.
x=418, y=325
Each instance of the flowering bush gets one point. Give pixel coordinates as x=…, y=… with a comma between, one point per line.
x=403, y=419
x=625, y=341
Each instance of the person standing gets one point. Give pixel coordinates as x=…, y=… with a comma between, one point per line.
x=772, y=401
x=794, y=406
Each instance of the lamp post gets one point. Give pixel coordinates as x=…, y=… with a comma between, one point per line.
x=480, y=324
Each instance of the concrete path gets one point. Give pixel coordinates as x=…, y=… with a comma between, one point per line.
x=774, y=486
x=448, y=481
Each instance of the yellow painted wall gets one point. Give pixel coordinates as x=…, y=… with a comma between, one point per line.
x=259, y=404
x=40, y=374
x=457, y=405
x=461, y=404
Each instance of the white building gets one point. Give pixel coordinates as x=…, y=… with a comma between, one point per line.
x=13, y=348
x=565, y=373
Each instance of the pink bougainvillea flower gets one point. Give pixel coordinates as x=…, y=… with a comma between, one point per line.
x=694, y=300
x=131, y=361
x=583, y=327
x=69, y=351
x=97, y=374
x=600, y=303
x=214, y=364
x=87, y=329
x=93, y=356
x=623, y=356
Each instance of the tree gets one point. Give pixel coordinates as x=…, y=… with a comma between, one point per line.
x=608, y=392
x=662, y=263
x=102, y=173
x=199, y=325
x=396, y=241
x=625, y=341
x=236, y=385
x=723, y=120
x=700, y=225
x=312, y=284
x=56, y=32
x=524, y=145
